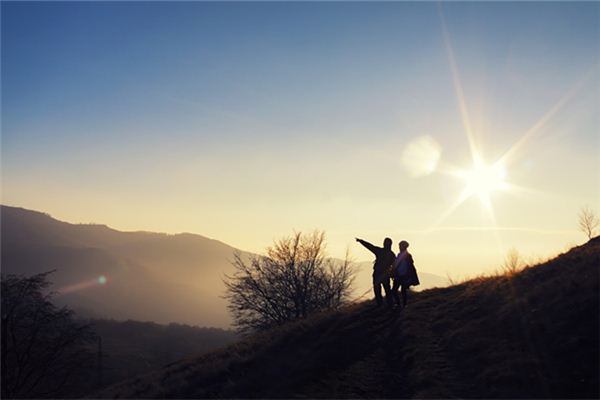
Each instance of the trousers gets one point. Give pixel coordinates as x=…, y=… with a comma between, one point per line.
x=379, y=281
x=398, y=284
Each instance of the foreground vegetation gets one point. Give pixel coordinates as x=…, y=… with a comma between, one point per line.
x=48, y=353
x=529, y=334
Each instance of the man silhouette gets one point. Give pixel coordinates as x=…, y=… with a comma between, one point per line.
x=384, y=258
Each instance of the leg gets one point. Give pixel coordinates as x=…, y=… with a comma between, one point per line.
x=404, y=294
x=377, y=290
x=395, y=288
x=385, y=282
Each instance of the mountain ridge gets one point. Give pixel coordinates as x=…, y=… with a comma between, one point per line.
x=21, y=211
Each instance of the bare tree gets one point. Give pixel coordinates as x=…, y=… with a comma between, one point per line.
x=588, y=221
x=42, y=345
x=294, y=280
x=512, y=262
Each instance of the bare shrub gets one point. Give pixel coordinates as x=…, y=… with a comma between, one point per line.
x=294, y=280
x=588, y=221
x=512, y=262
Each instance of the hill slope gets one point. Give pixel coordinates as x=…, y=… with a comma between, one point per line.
x=533, y=334
x=130, y=348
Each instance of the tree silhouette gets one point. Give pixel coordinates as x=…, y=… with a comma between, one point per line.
x=294, y=280
x=42, y=346
x=588, y=221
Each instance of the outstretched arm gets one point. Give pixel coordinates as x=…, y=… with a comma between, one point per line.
x=368, y=245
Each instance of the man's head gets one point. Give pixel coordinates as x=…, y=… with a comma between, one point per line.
x=403, y=245
x=387, y=243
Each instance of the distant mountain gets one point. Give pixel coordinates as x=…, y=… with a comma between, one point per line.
x=364, y=271
x=149, y=276
x=532, y=334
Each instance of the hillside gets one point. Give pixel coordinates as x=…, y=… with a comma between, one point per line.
x=150, y=276
x=130, y=348
x=530, y=335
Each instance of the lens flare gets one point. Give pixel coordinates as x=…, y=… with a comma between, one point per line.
x=76, y=287
x=421, y=156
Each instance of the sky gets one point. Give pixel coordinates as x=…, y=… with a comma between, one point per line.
x=468, y=129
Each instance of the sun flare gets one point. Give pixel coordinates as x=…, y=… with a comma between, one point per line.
x=480, y=180
x=483, y=179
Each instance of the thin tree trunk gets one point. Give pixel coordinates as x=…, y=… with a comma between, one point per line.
x=4, y=383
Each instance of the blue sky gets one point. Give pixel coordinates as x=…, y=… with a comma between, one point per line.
x=260, y=118
x=113, y=63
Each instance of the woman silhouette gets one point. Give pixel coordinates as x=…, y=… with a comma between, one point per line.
x=404, y=273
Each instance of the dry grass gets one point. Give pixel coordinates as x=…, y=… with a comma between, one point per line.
x=524, y=334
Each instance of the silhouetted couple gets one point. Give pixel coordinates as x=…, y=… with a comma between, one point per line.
x=400, y=268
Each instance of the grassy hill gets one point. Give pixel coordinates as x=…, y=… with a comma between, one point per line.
x=532, y=334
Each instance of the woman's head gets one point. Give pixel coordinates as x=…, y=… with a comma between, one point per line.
x=403, y=245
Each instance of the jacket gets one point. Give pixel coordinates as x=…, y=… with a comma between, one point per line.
x=384, y=258
x=411, y=278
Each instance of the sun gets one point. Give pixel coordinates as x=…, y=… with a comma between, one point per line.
x=483, y=179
